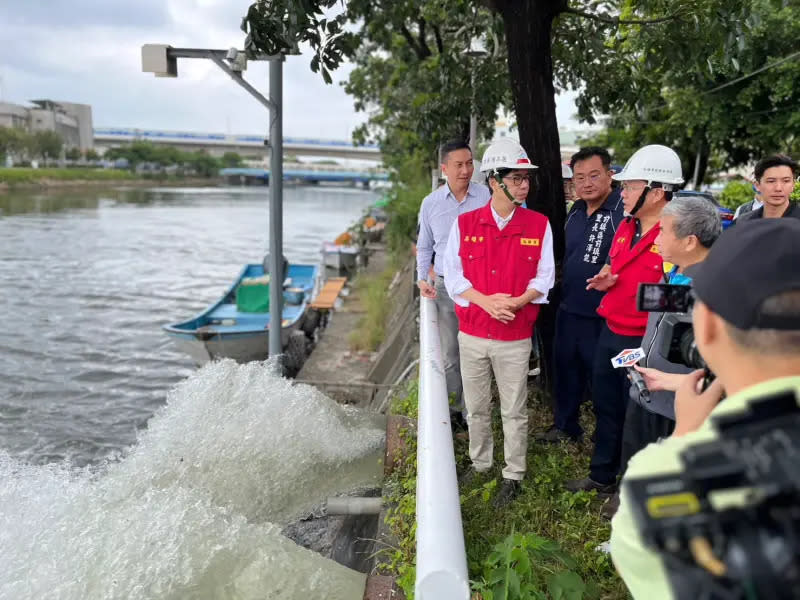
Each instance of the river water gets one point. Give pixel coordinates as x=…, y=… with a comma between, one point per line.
x=88, y=278
x=126, y=472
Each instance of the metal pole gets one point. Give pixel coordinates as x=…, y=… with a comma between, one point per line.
x=696, y=176
x=473, y=119
x=276, y=208
x=473, y=132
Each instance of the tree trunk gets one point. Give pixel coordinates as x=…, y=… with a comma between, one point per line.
x=528, y=27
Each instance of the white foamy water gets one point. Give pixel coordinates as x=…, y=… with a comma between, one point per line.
x=195, y=508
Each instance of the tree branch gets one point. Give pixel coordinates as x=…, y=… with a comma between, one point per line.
x=423, y=43
x=411, y=41
x=438, y=35
x=617, y=20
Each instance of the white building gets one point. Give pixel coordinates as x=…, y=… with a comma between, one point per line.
x=73, y=122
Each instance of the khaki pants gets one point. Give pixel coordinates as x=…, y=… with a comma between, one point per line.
x=509, y=362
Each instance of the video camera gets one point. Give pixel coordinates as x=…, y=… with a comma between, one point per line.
x=678, y=345
x=728, y=525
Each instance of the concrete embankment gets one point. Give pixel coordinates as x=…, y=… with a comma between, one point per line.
x=367, y=380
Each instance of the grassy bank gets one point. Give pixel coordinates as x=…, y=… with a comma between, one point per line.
x=540, y=546
x=22, y=175
x=373, y=291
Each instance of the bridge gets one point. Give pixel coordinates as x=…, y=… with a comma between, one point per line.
x=246, y=145
x=307, y=174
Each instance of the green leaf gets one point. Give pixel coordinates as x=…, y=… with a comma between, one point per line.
x=566, y=585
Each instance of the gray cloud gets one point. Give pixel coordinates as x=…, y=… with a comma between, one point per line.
x=82, y=13
x=83, y=51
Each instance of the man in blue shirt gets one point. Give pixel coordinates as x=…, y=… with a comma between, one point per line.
x=591, y=224
x=438, y=212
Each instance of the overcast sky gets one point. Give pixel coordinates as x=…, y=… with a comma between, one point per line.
x=88, y=51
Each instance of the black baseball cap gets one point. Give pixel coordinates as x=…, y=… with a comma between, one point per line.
x=747, y=265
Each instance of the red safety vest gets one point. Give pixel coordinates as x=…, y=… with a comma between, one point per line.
x=496, y=262
x=640, y=264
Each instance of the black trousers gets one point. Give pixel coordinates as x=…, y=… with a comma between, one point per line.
x=610, y=401
x=573, y=358
x=642, y=427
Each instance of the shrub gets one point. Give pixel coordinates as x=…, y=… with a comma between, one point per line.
x=736, y=193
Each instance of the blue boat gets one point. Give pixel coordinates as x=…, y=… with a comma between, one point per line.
x=223, y=331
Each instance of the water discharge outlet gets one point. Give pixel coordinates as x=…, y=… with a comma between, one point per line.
x=196, y=507
x=347, y=505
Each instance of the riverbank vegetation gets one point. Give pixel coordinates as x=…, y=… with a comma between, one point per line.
x=546, y=539
x=26, y=175
x=377, y=304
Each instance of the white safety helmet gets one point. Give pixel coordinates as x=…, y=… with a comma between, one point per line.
x=505, y=153
x=653, y=164
x=566, y=171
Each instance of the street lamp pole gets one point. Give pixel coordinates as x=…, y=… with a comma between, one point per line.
x=276, y=208
x=473, y=120
x=476, y=50
x=162, y=61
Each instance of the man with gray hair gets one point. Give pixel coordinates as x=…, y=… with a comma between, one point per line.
x=689, y=226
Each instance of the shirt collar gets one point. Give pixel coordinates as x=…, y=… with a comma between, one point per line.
x=613, y=200
x=470, y=192
x=611, y=203
x=498, y=219
x=760, y=390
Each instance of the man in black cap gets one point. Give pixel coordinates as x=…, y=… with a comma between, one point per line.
x=746, y=321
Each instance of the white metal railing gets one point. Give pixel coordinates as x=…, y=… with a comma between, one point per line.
x=441, y=556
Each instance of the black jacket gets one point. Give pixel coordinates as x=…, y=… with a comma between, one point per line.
x=793, y=211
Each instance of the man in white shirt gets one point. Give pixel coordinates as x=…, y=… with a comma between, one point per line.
x=498, y=268
x=437, y=214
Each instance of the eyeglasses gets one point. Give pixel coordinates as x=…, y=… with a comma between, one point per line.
x=581, y=180
x=633, y=187
x=519, y=179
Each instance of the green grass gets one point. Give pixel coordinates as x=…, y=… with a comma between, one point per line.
x=373, y=292
x=544, y=510
x=16, y=175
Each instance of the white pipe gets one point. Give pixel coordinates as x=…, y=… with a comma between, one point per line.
x=441, y=556
x=406, y=371
x=350, y=505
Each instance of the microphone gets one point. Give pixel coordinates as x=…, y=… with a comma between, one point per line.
x=625, y=360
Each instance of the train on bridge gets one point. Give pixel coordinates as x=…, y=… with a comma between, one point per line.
x=219, y=143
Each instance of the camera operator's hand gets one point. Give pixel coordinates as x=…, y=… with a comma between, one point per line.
x=603, y=280
x=692, y=405
x=658, y=381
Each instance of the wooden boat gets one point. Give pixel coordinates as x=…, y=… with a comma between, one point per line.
x=224, y=331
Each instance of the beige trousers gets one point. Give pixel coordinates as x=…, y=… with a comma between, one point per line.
x=509, y=362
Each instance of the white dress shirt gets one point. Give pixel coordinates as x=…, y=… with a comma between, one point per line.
x=456, y=283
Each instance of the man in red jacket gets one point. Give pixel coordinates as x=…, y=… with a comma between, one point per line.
x=498, y=268
x=648, y=181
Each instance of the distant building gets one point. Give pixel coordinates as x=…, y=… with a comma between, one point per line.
x=73, y=122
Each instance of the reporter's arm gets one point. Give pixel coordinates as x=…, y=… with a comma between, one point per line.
x=659, y=380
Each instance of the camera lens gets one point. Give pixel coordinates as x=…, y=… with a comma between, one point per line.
x=689, y=352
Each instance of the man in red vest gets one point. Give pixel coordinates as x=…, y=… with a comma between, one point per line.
x=648, y=181
x=498, y=268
